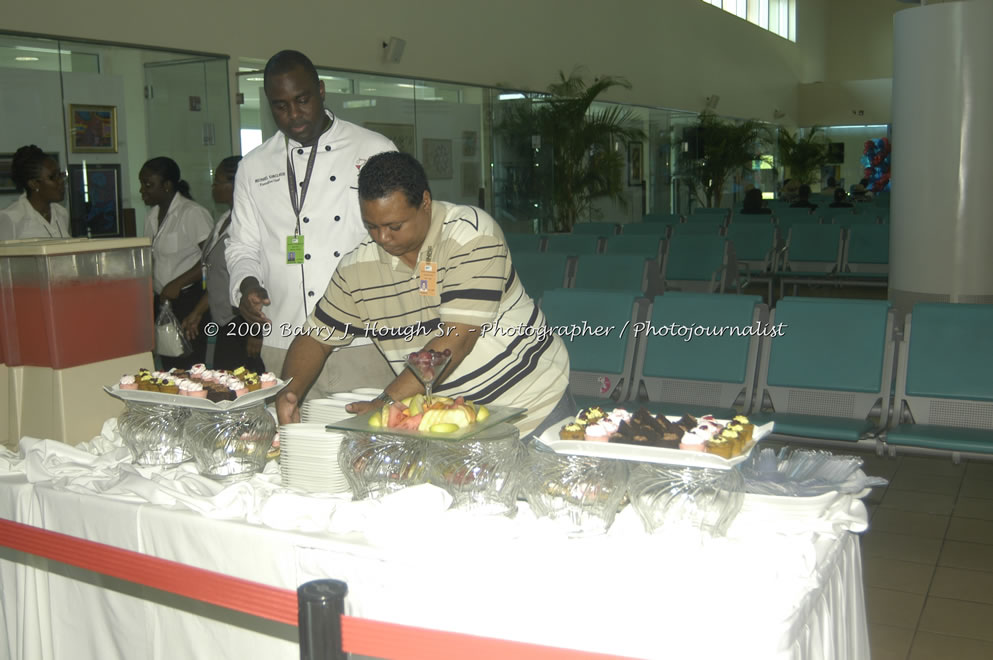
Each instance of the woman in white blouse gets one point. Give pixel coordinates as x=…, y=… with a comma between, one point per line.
x=36, y=213
x=178, y=227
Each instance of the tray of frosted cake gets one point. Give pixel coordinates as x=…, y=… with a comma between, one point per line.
x=705, y=442
x=198, y=387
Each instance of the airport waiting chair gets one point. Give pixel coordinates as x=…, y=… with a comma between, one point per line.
x=944, y=391
x=618, y=272
x=648, y=246
x=645, y=229
x=867, y=250
x=847, y=220
x=709, y=215
x=543, y=272
x=755, y=252
x=573, y=245
x=663, y=218
x=786, y=218
x=697, y=229
x=812, y=255
x=702, y=264
x=595, y=228
x=590, y=324
x=829, y=374
x=678, y=372
x=527, y=243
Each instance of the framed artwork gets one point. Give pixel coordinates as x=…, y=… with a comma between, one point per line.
x=635, y=176
x=470, y=140
x=95, y=200
x=436, y=156
x=93, y=128
x=402, y=135
x=7, y=171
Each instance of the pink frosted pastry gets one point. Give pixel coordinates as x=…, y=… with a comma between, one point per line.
x=237, y=386
x=194, y=388
x=694, y=440
x=597, y=432
x=128, y=382
x=268, y=379
x=197, y=370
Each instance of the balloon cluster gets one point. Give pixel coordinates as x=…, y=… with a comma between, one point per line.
x=876, y=161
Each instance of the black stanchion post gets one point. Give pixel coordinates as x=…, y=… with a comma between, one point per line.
x=321, y=602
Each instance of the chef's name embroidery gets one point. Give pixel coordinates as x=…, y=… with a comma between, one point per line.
x=271, y=178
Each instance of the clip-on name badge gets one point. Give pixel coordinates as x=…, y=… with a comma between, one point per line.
x=294, y=249
x=428, y=276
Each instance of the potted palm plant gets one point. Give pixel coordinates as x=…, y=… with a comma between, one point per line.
x=803, y=155
x=586, y=162
x=726, y=147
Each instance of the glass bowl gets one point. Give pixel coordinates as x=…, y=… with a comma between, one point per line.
x=230, y=445
x=482, y=473
x=581, y=493
x=377, y=464
x=154, y=433
x=673, y=496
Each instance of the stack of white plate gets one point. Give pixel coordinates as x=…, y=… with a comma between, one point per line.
x=324, y=411
x=308, y=458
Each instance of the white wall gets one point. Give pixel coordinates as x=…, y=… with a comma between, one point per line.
x=676, y=53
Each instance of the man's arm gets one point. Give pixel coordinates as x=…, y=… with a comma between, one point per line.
x=459, y=338
x=304, y=362
x=244, y=251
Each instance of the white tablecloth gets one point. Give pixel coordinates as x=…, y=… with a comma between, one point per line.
x=795, y=594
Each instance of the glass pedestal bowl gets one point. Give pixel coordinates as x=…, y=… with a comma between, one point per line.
x=154, y=433
x=230, y=445
x=482, y=473
x=673, y=497
x=581, y=493
x=377, y=464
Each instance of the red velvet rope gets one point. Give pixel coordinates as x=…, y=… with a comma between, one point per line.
x=362, y=636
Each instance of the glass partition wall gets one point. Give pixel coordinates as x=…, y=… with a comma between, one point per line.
x=104, y=110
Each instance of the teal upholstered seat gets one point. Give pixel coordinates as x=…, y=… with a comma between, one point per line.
x=710, y=373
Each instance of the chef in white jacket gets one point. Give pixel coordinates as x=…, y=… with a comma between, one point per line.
x=36, y=213
x=295, y=214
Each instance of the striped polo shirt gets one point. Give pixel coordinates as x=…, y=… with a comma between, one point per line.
x=516, y=361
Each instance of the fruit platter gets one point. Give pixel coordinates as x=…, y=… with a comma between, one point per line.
x=441, y=418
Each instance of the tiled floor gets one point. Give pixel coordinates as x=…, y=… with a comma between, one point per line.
x=928, y=559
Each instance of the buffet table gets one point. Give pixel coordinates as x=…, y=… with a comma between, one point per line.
x=766, y=591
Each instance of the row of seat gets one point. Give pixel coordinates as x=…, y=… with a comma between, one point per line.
x=708, y=224
x=857, y=255
x=820, y=368
x=699, y=263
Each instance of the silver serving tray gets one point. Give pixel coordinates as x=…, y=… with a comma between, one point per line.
x=498, y=414
x=244, y=401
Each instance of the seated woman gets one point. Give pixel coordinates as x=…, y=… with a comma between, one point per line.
x=36, y=213
x=840, y=200
x=235, y=346
x=178, y=227
x=753, y=203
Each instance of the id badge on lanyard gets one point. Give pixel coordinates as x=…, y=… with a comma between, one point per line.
x=427, y=276
x=295, y=242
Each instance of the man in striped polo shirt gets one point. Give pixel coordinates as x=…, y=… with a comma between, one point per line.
x=433, y=275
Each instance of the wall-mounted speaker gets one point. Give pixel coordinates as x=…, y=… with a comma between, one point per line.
x=393, y=49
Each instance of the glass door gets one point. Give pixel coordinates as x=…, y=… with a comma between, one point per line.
x=189, y=118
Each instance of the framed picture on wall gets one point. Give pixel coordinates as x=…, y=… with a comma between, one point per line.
x=635, y=175
x=402, y=135
x=436, y=155
x=95, y=200
x=7, y=171
x=93, y=128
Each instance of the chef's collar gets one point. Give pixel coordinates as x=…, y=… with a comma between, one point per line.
x=325, y=136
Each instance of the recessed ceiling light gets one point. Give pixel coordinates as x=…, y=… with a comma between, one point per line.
x=26, y=58
x=255, y=79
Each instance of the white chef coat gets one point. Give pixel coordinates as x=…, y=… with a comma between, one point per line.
x=216, y=269
x=21, y=220
x=330, y=221
x=176, y=248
